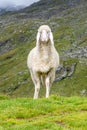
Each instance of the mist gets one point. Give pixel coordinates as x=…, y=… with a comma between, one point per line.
x=16, y=3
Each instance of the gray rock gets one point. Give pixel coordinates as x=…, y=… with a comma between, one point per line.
x=71, y=69
x=78, y=52
x=63, y=72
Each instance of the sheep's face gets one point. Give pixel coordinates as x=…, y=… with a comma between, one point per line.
x=44, y=34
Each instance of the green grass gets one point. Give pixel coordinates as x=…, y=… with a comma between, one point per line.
x=55, y=113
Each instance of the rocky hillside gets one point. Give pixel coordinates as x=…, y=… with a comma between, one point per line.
x=68, y=20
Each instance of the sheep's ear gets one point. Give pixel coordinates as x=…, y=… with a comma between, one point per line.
x=37, y=38
x=51, y=38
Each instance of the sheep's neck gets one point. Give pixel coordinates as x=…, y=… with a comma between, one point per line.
x=45, y=51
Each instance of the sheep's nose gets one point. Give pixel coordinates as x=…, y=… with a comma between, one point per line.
x=44, y=36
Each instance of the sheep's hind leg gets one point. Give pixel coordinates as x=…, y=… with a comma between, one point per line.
x=47, y=82
x=43, y=80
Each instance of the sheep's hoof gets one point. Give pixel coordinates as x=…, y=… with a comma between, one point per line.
x=35, y=98
x=47, y=96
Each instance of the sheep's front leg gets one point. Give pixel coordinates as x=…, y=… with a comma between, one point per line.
x=37, y=88
x=47, y=81
x=36, y=81
x=37, y=85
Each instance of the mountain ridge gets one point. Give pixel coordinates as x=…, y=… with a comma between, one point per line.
x=37, y=8
x=52, y=8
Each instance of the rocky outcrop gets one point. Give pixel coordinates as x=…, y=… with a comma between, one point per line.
x=77, y=52
x=5, y=46
x=64, y=72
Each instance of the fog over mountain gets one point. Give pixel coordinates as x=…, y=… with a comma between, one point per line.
x=15, y=3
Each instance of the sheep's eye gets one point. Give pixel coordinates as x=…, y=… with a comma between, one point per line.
x=40, y=32
x=48, y=32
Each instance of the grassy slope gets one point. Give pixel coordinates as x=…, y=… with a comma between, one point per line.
x=55, y=113
x=68, y=28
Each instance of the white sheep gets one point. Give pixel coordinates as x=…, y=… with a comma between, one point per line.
x=43, y=60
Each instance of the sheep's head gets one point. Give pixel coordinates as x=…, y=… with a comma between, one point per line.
x=44, y=34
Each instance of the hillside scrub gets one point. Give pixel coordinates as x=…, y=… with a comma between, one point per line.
x=14, y=76
x=17, y=38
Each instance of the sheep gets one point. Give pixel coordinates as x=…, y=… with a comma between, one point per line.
x=43, y=60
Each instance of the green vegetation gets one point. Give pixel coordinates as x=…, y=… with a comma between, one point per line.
x=17, y=38
x=55, y=113
x=66, y=109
